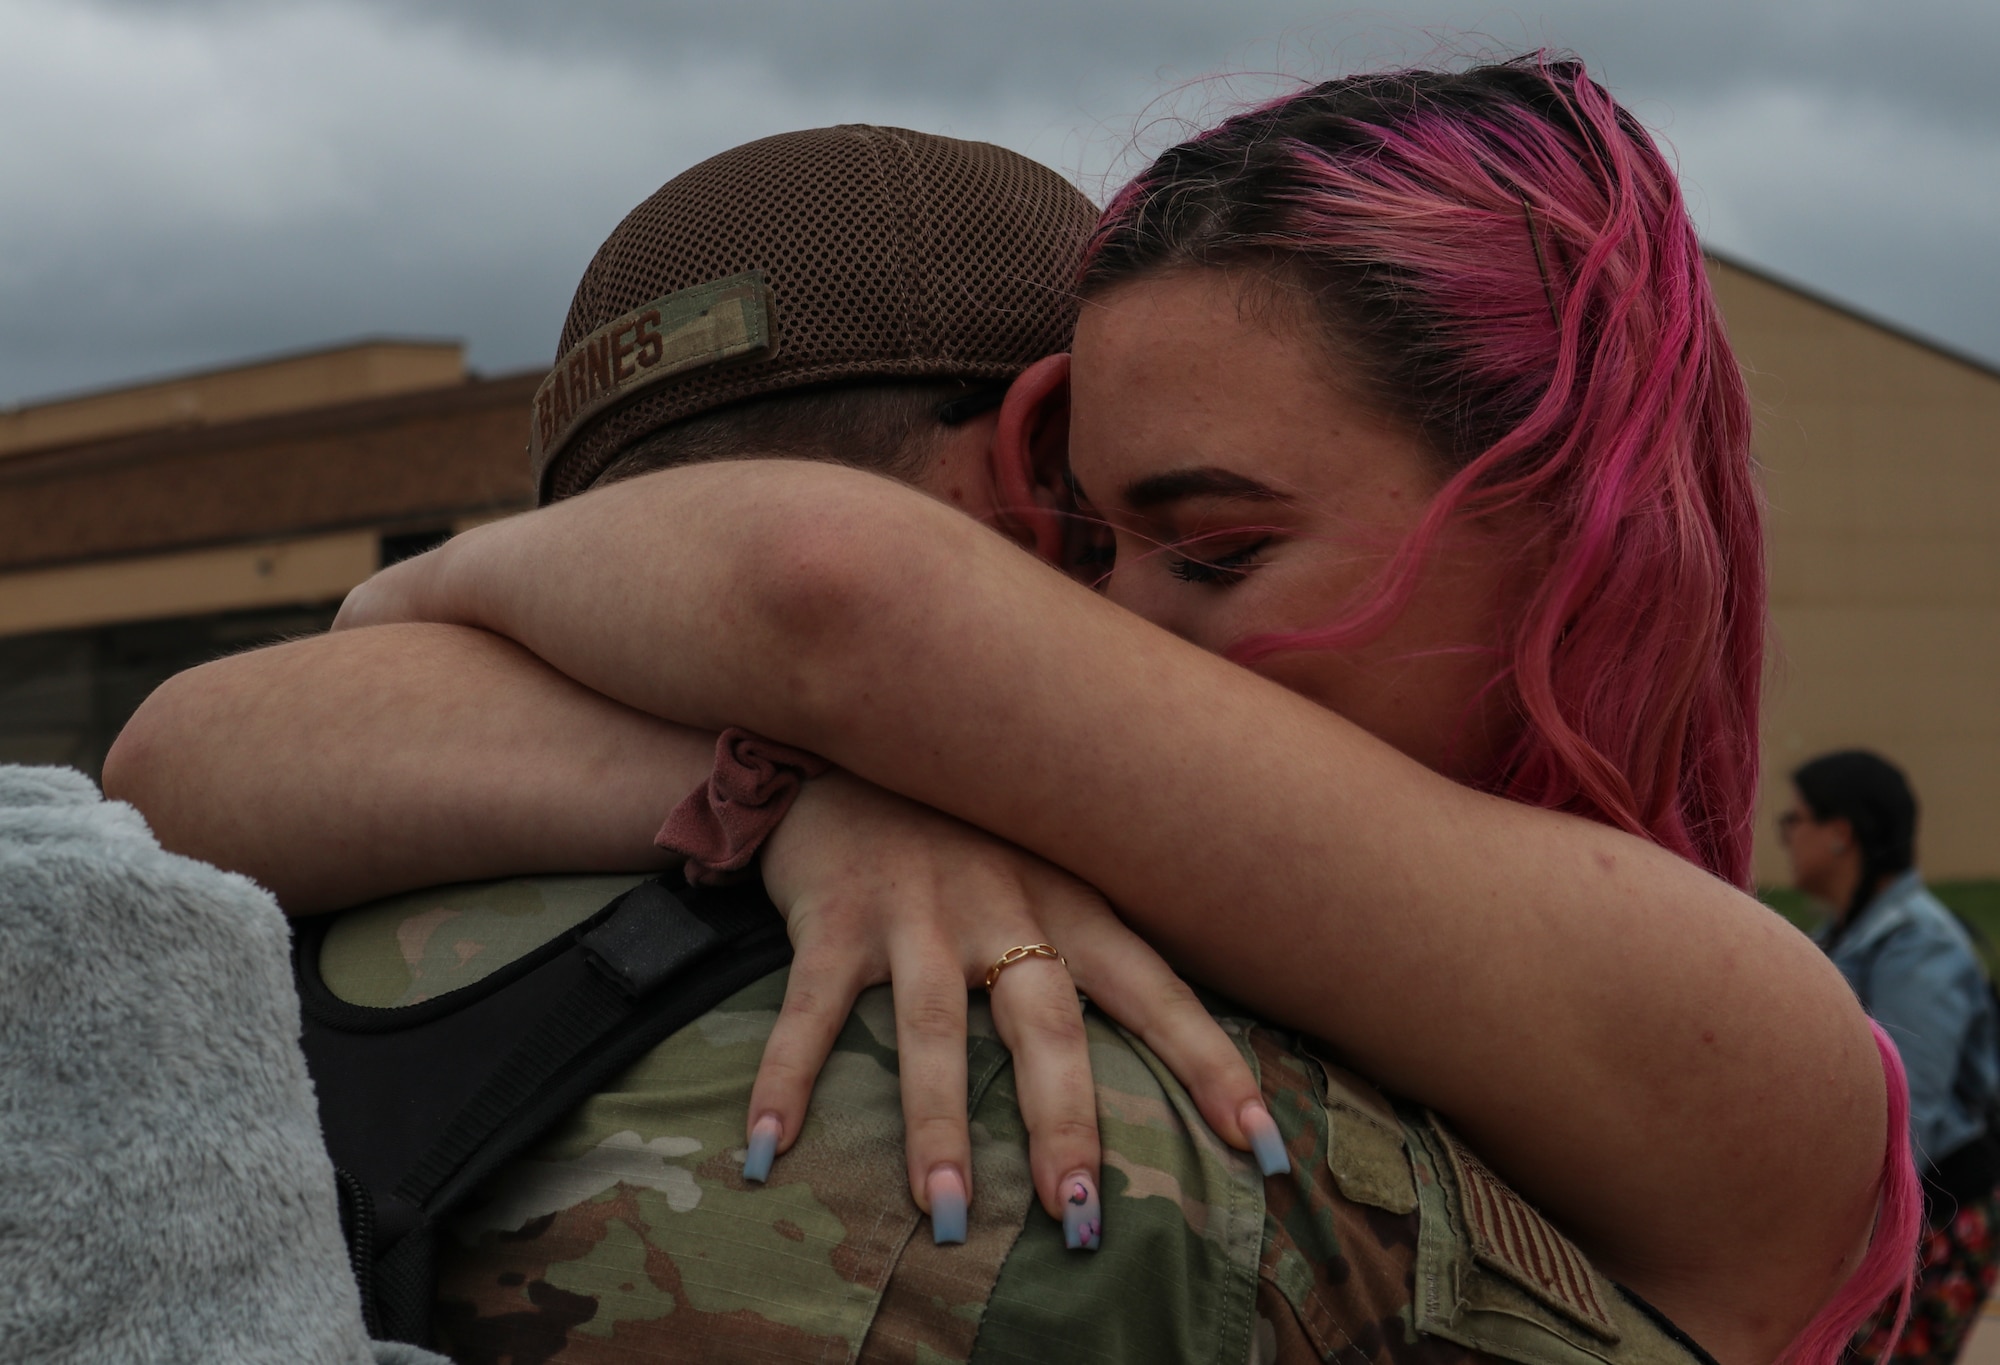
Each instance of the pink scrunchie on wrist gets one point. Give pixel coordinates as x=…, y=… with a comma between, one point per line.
x=721, y=824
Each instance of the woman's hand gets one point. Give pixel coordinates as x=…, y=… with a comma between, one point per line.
x=877, y=888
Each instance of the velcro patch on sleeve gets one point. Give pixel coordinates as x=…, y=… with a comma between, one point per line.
x=710, y=324
x=1508, y=1236
x=1364, y=1142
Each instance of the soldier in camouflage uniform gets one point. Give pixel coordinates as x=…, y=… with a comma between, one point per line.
x=630, y=1234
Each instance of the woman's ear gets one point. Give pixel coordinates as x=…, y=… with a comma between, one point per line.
x=1841, y=829
x=1030, y=459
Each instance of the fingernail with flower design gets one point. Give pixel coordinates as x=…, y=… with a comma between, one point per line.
x=1266, y=1144
x=1083, y=1215
x=763, y=1148
x=946, y=1189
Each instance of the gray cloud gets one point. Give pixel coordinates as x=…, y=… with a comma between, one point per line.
x=193, y=181
x=1934, y=56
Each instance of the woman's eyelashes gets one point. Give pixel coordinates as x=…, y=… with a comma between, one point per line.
x=1217, y=570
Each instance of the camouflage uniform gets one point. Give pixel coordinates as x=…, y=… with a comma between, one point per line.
x=631, y=1235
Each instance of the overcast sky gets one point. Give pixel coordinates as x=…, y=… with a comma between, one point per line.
x=192, y=182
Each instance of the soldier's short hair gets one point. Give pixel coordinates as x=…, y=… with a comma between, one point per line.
x=890, y=428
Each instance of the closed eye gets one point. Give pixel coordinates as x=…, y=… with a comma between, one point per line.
x=1218, y=570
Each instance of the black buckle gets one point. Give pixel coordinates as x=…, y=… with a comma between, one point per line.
x=647, y=939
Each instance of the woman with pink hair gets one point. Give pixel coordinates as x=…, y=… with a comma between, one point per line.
x=1417, y=703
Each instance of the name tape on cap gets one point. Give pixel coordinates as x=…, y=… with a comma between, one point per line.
x=710, y=324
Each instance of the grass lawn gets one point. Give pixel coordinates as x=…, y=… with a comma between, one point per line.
x=1977, y=903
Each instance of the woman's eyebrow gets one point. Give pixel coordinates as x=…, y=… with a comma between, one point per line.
x=1206, y=481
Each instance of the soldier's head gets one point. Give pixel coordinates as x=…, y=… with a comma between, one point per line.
x=856, y=294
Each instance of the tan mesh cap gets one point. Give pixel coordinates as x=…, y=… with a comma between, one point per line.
x=833, y=255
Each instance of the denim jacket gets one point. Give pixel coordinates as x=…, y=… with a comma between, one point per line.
x=1916, y=972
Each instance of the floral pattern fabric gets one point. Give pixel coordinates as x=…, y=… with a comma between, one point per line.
x=1955, y=1279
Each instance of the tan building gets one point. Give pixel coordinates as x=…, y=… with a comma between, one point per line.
x=145, y=529
x=1881, y=457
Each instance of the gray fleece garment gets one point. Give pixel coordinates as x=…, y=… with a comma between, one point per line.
x=164, y=1194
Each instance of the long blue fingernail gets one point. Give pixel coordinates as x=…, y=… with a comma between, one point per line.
x=946, y=1189
x=763, y=1149
x=1083, y=1214
x=1265, y=1142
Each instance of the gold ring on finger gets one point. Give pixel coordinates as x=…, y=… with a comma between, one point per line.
x=1022, y=954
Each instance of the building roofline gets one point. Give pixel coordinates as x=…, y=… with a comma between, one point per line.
x=442, y=451
x=48, y=400
x=92, y=453
x=1881, y=324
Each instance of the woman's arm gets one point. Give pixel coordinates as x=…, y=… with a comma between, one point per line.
x=346, y=767
x=349, y=766
x=1670, y=1069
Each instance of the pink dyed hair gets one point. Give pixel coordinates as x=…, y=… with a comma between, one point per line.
x=1888, y=1268
x=1503, y=257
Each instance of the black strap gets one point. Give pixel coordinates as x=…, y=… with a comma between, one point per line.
x=1669, y=1326
x=422, y=1104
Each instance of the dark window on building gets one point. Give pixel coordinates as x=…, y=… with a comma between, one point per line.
x=65, y=695
x=407, y=544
